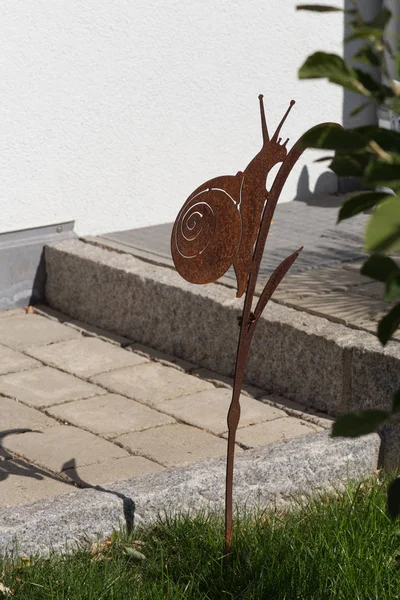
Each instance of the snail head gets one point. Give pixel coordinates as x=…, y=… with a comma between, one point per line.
x=275, y=143
x=280, y=148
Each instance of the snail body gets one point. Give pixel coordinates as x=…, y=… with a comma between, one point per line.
x=208, y=229
x=218, y=224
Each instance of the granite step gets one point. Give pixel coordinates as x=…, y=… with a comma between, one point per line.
x=269, y=476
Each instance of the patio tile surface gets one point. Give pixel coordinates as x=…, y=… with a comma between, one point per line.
x=46, y=386
x=77, y=409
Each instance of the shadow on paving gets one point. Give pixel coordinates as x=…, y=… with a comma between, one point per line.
x=11, y=465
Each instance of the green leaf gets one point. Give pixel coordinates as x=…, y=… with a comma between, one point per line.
x=396, y=402
x=323, y=159
x=368, y=56
x=392, y=287
x=381, y=19
x=318, y=8
x=394, y=103
x=393, y=500
x=384, y=269
x=386, y=138
x=389, y=324
x=358, y=423
x=114, y=536
x=132, y=553
x=349, y=166
x=359, y=203
x=382, y=233
x=359, y=138
x=373, y=29
x=333, y=137
x=323, y=64
x=324, y=8
x=364, y=32
x=371, y=84
x=379, y=267
x=383, y=173
x=334, y=68
x=359, y=108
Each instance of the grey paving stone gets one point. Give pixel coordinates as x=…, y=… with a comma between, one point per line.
x=12, y=361
x=319, y=281
x=113, y=470
x=83, y=328
x=85, y=357
x=45, y=386
x=30, y=331
x=395, y=336
x=21, y=483
x=223, y=381
x=151, y=383
x=173, y=445
x=354, y=265
x=50, y=313
x=14, y=312
x=343, y=307
x=320, y=419
x=374, y=289
x=165, y=359
x=110, y=415
x=57, y=447
x=102, y=334
x=282, y=403
x=14, y=415
x=209, y=409
x=274, y=431
x=295, y=409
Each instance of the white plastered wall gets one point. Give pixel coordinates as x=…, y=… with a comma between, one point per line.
x=113, y=111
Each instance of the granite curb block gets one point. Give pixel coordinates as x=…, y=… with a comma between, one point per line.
x=153, y=305
x=271, y=475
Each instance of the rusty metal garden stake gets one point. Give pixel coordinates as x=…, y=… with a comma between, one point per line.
x=226, y=222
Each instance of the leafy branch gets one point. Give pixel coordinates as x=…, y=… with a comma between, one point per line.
x=372, y=154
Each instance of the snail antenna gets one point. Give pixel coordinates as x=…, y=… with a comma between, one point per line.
x=263, y=121
x=275, y=136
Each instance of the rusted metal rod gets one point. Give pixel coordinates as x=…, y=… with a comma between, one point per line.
x=225, y=222
x=249, y=322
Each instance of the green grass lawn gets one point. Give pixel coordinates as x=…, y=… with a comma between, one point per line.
x=339, y=546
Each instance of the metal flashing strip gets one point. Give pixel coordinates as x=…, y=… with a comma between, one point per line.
x=35, y=233
x=22, y=268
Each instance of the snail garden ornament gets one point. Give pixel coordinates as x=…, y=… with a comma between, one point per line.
x=225, y=222
x=217, y=226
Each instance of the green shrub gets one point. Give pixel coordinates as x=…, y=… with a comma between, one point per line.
x=372, y=154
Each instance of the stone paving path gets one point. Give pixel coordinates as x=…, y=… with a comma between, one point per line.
x=80, y=406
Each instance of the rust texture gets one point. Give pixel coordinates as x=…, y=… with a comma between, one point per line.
x=226, y=222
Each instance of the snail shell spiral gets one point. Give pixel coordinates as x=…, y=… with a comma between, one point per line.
x=207, y=231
